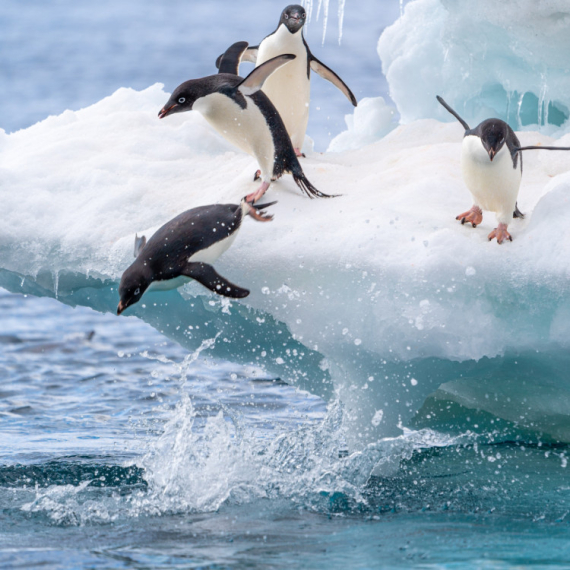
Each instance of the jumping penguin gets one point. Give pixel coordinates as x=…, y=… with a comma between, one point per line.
x=289, y=88
x=491, y=161
x=184, y=248
x=244, y=115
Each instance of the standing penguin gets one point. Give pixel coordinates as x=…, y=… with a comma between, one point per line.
x=289, y=88
x=491, y=161
x=244, y=115
x=184, y=248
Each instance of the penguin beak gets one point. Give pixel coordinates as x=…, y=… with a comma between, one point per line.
x=166, y=111
x=121, y=307
x=492, y=154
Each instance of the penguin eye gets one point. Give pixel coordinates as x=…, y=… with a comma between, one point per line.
x=181, y=100
x=303, y=16
x=286, y=16
x=137, y=291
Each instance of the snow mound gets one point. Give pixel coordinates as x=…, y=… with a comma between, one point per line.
x=486, y=58
x=370, y=121
x=380, y=293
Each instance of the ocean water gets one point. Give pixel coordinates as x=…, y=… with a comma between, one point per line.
x=119, y=449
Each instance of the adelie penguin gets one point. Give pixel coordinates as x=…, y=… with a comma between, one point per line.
x=184, y=248
x=289, y=88
x=244, y=115
x=491, y=161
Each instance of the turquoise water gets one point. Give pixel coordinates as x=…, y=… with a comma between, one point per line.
x=119, y=449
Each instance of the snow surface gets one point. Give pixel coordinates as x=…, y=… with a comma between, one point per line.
x=379, y=294
x=382, y=275
x=485, y=58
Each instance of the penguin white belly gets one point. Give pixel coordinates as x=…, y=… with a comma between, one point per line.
x=169, y=284
x=207, y=255
x=245, y=128
x=211, y=254
x=493, y=185
x=289, y=88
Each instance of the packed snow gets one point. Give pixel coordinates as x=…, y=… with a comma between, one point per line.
x=379, y=294
x=383, y=272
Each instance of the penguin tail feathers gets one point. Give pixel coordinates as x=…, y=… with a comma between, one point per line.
x=140, y=242
x=308, y=188
x=517, y=213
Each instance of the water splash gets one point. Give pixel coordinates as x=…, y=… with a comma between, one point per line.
x=196, y=467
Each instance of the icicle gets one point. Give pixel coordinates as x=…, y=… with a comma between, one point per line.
x=325, y=16
x=319, y=9
x=324, y=6
x=341, y=4
x=56, y=284
x=542, y=112
x=519, y=109
x=308, y=4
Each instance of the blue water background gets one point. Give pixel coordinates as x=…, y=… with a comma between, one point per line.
x=106, y=426
x=63, y=54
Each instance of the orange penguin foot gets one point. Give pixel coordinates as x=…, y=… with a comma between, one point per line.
x=255, y=196
x=298, y=153
x=500, y=233
x=473, y=216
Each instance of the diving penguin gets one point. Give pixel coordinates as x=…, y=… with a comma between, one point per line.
x=491, y=161
x=244, y=115
x=184, y=248
x=289, y=88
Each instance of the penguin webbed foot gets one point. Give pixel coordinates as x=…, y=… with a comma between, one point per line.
x=474, y=216
x=501, y=233
x=257, y=213
x=255, y=196
x=299, y=154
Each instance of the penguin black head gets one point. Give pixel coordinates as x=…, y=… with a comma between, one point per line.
x=183, y=98
x=293, y=17
x=493, y=133
x=133, y=284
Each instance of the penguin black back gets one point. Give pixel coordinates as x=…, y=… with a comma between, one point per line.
x=185, y=247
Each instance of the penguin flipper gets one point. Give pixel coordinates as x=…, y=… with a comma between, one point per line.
x=454, y=113
x=250, y=54
x=140, y=242
x=211, y=279
x=328, y=74
x=255, y=80
x=543, y=148
x=229, y=61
